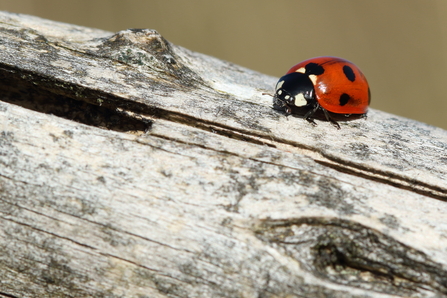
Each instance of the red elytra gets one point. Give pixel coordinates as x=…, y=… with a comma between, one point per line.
x=339, y=85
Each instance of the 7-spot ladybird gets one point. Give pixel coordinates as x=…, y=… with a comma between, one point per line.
x=330, y=84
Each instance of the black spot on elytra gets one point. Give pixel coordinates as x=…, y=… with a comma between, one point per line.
x=349, y=73
x=344, y=98
x=314, y=69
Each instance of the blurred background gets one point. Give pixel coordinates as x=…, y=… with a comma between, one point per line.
x=400, y=45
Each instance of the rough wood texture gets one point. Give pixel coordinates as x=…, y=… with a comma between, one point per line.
x=131, y=167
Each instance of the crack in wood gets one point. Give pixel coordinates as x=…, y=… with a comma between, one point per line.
x=349, y=253
x=388, y=178
x=8, y=295
x=42, y=96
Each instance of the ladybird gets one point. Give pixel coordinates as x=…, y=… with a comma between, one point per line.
x=330, y=85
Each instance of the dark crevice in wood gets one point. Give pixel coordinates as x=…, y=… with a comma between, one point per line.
x=373, y=174
x=3, y=294
x=226, y=131
x=349, y=253
x=31, y=95
x=388, y=178
x=96, y=108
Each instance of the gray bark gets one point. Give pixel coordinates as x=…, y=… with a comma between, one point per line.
x=131, y=167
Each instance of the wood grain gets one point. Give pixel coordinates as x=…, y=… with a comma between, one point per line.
x=131, y=167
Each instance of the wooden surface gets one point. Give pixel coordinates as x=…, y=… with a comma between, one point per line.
x=131, y=167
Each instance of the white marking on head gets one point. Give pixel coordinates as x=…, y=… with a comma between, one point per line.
x=279, y=84
x=300, y=101
x=279, y=92
x=313, y=78
x=301, y=70
x=287, y=97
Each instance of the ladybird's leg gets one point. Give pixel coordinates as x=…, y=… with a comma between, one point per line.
x=308, y=115
x=311, y=121
x=328, y=118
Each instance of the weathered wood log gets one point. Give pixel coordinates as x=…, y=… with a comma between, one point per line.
x=131, y=167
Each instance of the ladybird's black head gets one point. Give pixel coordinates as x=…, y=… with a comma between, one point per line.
x=294, y=90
